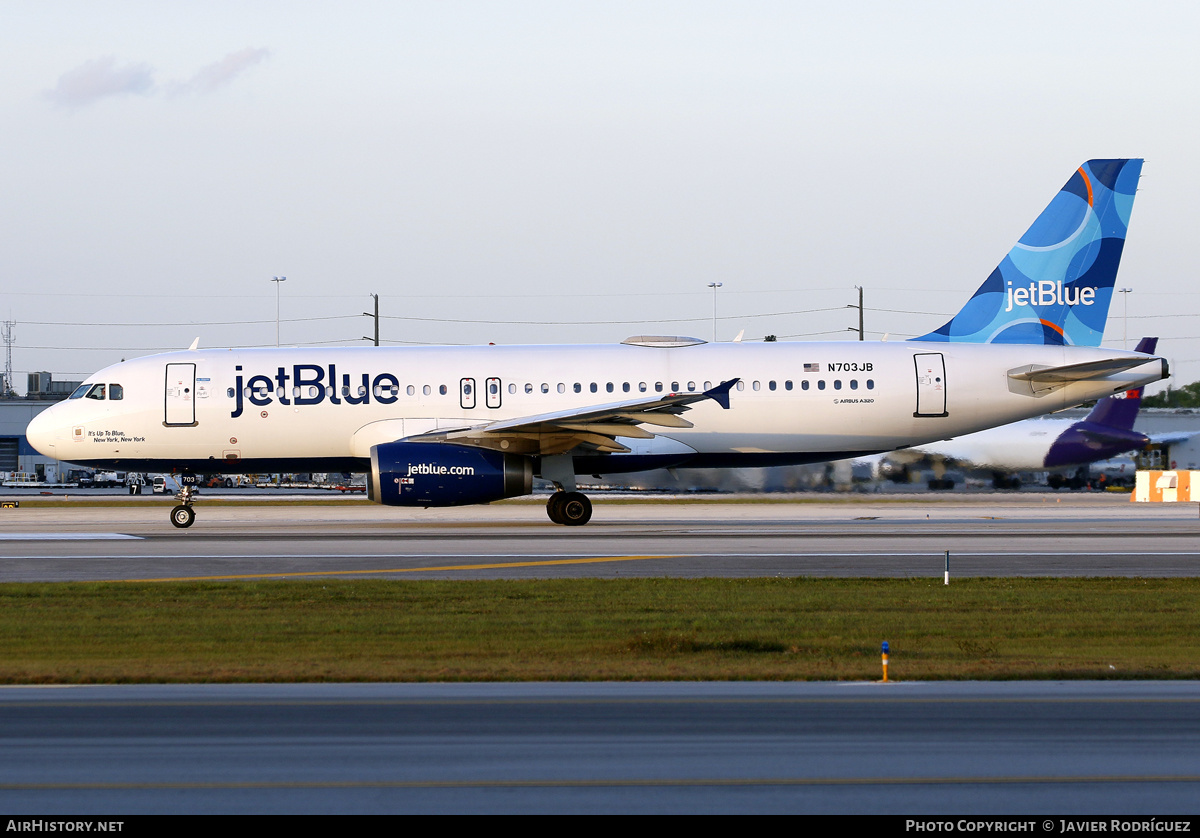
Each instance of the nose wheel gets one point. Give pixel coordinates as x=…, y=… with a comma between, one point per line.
x=183, y=516
x=572, y=509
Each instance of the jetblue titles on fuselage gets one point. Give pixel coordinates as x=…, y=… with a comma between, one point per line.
x=308, y=384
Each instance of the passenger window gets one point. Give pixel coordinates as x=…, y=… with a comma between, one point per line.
x=411, y=390
x=595, y=388
x=97, y=392
x=707, y=385
x=578, y=387
x=658, y=388
x=116, y=392
x=608, y=387
x=691, y=386
x=821, y=384
x=345, y=391
x=854, y=384
x=770, y=385
x=528, y=388
x=837, y=385
x=442, y=389
x=674, y=386
x=425, y=390
x=787, y=385
x=625, y=387
x=562, y=388
x=741, y=385
x=545, y=388
x=512, y=389
x=757, y=386
x=466, y=388
x=229, y=392
x=870, y=384
x=641, y=386
x=804, y=384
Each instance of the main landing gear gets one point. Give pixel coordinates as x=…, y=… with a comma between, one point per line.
x=570, y=508
x=183, y=516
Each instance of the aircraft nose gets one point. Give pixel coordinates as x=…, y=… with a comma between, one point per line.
x=41, y=433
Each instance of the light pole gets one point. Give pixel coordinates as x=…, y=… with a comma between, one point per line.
x=1125, y=327
x=277, y=280
x=714, y=286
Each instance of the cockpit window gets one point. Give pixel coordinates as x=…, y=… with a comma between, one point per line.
x=97, y=392
x=116, y=392
x=81, y=391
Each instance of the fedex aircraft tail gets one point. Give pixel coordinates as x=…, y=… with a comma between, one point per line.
x=1055, y=285
x=1107, y=431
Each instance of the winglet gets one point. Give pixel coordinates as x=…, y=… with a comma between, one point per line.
x=720, y=393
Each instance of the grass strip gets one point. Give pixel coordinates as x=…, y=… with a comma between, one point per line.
x=598, y=629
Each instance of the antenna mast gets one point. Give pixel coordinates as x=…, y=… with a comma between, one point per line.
x=8, y=344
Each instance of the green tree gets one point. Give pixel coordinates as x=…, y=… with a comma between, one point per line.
x=1186, y=396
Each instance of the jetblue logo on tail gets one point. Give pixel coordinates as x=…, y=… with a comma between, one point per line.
x=1047, y=293
x=1054, y=287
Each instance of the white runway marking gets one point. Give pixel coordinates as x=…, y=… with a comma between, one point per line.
x=68, y=536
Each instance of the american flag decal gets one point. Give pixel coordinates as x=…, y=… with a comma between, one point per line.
x=812, y=367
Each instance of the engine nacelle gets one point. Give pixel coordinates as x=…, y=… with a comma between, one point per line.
x=441, y=474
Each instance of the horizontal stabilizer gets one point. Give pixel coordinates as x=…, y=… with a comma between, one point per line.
x=1089, y=371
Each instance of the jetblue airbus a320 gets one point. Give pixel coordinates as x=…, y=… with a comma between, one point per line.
x=445, y=426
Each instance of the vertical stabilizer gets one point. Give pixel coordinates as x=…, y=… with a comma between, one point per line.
x=1054, y=287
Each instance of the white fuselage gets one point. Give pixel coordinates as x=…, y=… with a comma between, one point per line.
x=323, y=409
x=1019, y=447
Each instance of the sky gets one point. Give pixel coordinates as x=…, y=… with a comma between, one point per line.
x=548, y=172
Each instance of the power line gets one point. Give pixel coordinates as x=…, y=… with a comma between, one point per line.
x=194, y=323
x=605, y=322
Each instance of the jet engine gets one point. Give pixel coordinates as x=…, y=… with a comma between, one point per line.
x=442, y=474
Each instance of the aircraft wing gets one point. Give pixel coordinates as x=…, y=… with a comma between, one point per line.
x=1172, y=438
x=594, y=427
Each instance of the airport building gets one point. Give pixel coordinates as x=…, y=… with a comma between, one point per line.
x=17, y=457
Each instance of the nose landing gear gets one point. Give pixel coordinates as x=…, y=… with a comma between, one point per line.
x=183, y=516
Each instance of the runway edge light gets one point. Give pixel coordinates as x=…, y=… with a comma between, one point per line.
x=885, y=654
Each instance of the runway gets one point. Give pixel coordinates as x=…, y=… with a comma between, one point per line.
x=1076, y=748
x=985, y=748
x=985, y=535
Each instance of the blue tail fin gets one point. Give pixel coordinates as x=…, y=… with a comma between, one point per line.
x=1055, y=285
